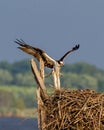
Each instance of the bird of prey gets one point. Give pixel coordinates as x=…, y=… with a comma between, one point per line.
x=38, y=53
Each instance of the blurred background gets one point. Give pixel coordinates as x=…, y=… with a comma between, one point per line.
x=54, y=26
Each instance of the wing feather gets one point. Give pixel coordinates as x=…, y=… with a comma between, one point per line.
x=36, y=52
x=73, y=49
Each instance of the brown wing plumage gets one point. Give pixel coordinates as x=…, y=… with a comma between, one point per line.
x=36, y=52
x=73, y=49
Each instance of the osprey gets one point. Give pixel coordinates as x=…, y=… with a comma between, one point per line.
x=38, y=53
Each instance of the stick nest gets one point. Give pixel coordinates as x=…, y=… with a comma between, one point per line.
x=74, y=110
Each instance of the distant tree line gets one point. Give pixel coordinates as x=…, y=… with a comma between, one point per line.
x=75, y=76
x=17, y=98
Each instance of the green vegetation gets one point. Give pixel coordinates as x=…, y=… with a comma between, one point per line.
x=15, y=99
x=18, y=101
x=76, y=76
x=18, y=87
x=19, y=97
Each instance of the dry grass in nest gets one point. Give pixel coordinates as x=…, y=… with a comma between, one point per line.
x=74, y=110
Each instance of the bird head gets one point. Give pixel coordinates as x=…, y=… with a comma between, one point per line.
x=61, y=63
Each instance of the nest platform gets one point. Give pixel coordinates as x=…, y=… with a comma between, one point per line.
x=74, y=110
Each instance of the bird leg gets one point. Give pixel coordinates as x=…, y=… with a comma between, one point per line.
x=56, y=75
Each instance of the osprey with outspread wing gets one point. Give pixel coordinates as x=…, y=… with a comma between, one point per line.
x=38, y=53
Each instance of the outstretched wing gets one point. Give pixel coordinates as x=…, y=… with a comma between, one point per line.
x=73, y=49
x=36, y=52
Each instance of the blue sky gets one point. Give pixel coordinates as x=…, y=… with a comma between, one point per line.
x=54, y=26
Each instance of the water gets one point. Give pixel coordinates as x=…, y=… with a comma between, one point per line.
x=18, y=123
